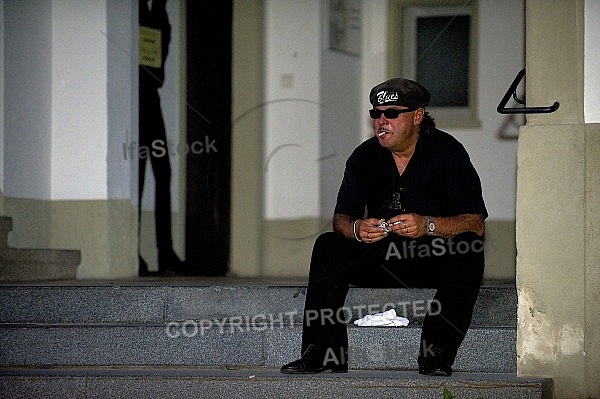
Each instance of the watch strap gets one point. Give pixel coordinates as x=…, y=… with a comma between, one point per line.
x=430, y=225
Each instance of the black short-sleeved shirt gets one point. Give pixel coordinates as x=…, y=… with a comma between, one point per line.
x=439, y=180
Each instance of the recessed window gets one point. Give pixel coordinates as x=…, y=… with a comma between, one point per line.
x=444, y=40
x=436, y=48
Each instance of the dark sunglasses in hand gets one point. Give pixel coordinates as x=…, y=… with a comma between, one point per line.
x=390, y=113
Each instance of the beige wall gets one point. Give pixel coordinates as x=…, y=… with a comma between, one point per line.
x=247, y=144
x=287, y=246
x=104, y=231
x=558, y=188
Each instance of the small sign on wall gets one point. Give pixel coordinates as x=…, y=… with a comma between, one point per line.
x=150, y=47
x=345, y=21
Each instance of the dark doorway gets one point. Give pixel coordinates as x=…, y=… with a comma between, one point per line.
x=208, y=165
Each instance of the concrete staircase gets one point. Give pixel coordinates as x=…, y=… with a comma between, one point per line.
x=227, y=338
x=30, y=264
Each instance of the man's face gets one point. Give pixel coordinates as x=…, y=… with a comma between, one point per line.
x=400, y=133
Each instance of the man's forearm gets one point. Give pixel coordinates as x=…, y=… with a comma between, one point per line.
x=344, y=224
x=413, y=225
x=450, y=226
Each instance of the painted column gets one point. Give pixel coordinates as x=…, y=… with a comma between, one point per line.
x=558, y=223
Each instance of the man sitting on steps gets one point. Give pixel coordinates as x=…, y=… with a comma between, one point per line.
x=409, y=213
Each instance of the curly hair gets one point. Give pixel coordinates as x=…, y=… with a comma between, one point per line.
x=427, y=124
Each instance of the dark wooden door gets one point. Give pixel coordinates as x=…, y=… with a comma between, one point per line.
x=208, y=170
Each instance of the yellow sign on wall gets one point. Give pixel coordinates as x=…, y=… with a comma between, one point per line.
x=150, y=47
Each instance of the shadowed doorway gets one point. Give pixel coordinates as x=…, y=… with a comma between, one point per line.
x=208, y=163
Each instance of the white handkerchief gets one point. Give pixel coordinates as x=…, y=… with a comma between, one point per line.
x=387, y=318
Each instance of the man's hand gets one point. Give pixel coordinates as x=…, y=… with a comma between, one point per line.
x=368, y=230
x=409, y=225
x=364, y=230
x=414, y=225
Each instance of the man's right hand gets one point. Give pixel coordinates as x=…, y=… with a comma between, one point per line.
x=368, y=230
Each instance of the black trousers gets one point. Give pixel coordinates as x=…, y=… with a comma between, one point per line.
x=154, y=138
x=452, y=266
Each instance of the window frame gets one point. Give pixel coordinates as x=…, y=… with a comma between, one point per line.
x=402, y=52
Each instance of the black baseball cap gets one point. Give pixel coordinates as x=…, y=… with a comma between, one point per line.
x=400, y=91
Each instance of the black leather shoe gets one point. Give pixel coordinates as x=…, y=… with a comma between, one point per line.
x=143, y=270
x=169, y=263
x=174, y=268
x=313, y=361
x=434, y=365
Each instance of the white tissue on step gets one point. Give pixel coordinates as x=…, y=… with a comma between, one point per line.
x=384, y=319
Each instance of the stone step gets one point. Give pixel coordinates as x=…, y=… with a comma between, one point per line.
x=186, y=382
x=34, y=264
x=140, y=303
x=219, y=325
x=484, y=349
x=30, y=264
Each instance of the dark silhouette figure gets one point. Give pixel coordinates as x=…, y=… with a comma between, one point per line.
x=152, y=130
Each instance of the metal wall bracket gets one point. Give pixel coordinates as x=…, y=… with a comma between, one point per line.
x=512, y=91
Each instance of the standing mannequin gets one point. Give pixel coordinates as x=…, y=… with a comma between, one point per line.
x=156, y=30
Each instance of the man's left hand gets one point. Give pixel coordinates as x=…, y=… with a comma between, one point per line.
x=409, y=225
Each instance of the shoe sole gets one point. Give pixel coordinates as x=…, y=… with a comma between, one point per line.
x=435, y=373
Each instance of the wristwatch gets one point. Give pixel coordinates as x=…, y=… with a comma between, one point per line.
x=430, y=226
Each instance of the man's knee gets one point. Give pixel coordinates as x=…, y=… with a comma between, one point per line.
x=330, y=239
x=328, y=255
x=467, y=256
x=468, y=244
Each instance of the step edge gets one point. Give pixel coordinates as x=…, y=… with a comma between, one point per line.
x=233, y=372
x=40, y=255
